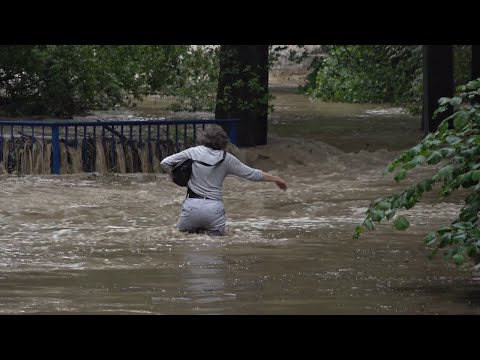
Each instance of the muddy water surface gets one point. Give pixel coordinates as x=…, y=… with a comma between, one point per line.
x=83, y=244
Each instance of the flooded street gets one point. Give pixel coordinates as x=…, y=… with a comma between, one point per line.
x=88, y=244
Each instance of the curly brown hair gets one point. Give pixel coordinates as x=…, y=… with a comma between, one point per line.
x=215, y=137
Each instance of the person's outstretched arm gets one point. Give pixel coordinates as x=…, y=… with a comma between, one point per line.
x=272, y=178
x=236, y=167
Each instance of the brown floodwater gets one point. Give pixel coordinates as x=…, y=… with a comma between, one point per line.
x=107, y=244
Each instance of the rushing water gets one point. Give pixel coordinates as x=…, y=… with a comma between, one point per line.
x=107, y=244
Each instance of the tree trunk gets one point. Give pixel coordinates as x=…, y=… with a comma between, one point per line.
x=475, y=62
x=243, y=91
x=476, y=69
x=437, y=82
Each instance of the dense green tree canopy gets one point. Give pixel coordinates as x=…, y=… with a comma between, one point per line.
x=62, y=80
x=377, y=74
x=368, y=74
x=67, y=80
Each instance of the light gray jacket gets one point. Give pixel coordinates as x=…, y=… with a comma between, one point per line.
x=208, y=180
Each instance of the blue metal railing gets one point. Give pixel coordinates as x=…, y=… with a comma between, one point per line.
x=121, y=131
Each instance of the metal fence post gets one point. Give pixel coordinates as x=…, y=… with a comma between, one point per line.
x=232, y=134
x=56, y=150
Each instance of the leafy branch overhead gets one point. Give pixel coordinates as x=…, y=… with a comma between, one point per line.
x=455, y=151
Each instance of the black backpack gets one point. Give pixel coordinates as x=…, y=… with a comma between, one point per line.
x=181, y=173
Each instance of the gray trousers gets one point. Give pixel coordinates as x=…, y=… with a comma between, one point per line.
x=201, y=215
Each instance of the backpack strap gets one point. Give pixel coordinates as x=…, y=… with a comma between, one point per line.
x=201, y=162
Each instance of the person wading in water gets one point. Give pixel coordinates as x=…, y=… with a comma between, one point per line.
x=203, y=209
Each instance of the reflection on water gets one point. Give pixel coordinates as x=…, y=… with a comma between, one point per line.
x=107, y=244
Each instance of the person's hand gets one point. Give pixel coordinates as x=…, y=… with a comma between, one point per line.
x=281, y=184
x=272, y=178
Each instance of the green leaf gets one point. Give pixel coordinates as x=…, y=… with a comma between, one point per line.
x=369, y=224
x=390, y=168
x=445, y=239
x=419, y=159
x=410, y=165
x=434, y=158
x=455, y=101
x=476, y=175
x=452, y=139
x=420, y=187
x=459, y=238
x=424, y=185
x=430, y=238
x=415, y=150
x=439, y=110
x=446, y=171
x=443, y=101
x=444, y=230
x=460, y=121
x=400, y=175
x=377, y=215
x=410, y=192
x=458, y=159
x=459, y=259
x=385, y=205
x=473, y=85
x=390, y=213
x=476, y=139
x=472, y=250
x=410, y=203
x=461, y=226
x=401, y=223
x=443, y=127
x=447, y=151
